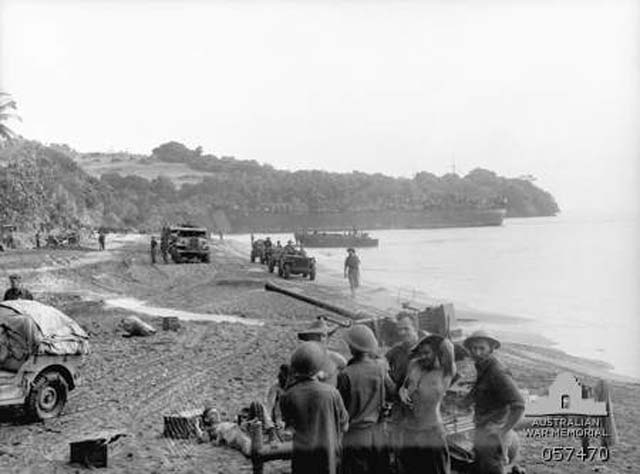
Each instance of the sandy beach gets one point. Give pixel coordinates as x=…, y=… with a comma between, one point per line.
x=232, y=339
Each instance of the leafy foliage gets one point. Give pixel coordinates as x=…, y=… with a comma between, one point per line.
x=44, y=185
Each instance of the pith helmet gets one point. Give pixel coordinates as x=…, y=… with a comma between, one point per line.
x=351, y=249
x=15, y=276
x=481, y=334
x=318, y=327
x=362, y=339
x=308, y=359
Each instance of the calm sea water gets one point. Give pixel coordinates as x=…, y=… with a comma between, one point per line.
x=575, y=280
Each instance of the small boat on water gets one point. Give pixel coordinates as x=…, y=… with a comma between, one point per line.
x=351, y=238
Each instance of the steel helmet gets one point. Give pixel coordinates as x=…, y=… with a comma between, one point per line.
x=308, y=359
x=362, y=339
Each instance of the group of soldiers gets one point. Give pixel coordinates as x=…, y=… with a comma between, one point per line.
x=165, y=247
x=381, y=414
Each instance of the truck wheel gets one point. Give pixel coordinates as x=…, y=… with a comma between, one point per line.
x=206, y=258
x=286, y=272
x=312, y=274
x=47, y=396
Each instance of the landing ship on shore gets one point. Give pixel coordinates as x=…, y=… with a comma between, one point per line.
x=387, y=219
x=352, y=238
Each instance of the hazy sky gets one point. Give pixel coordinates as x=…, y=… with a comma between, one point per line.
x=544, y=87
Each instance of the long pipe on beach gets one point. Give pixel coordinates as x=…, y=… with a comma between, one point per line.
x=316, y=302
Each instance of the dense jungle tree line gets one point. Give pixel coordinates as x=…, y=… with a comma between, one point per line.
x=44, y=185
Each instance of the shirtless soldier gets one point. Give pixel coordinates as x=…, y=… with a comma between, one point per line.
x=429, y=375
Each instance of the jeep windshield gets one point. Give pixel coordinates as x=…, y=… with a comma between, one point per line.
x=191, y=232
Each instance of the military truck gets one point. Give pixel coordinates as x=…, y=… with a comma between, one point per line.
x=294, y=261
x=41, y=350
x=187, y=243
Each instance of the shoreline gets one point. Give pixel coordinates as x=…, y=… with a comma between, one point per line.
x=511, y=329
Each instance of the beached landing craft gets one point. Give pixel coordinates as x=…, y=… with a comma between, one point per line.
x=352, y=238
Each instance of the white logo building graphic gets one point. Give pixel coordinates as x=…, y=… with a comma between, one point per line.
x=565, y=398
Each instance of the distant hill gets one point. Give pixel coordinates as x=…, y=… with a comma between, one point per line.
x=58, y=186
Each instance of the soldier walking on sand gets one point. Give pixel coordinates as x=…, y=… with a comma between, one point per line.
x=352, y=270
x=364, y=386
x=498, y=407
x=423, y=445
x=17, y=291
x=154, y=249
x=316, y=413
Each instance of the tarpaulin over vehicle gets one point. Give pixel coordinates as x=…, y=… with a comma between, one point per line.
x=28, y=327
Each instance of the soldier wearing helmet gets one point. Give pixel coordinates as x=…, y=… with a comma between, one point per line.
x=316, y=413
x=498, y=406
x=364, y=386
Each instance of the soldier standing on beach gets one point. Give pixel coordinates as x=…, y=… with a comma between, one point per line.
x=316, y=413
x=352, y=270
x=364, y=386
x=153, y=249
x=498, y=407
x=101, y=239
x=423, y=437
x=164, y=245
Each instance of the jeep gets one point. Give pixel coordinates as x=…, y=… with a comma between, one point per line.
x=296, y=262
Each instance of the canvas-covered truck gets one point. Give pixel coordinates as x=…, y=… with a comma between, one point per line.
x=41, y=350
x=187, y=243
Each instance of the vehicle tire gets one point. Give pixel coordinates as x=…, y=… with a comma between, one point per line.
x=312, y=274
x=304, y=275
x=206, y=258
x=286, y=272
x=47, y=397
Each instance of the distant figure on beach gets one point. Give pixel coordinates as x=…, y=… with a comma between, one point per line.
x=164, y=245
x=16, y=290
x=498, y=407
x=423, y=443
x=352, y=270
x=102, y=239
x=153, y=249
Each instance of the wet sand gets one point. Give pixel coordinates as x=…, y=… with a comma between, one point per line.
x=130, y=383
